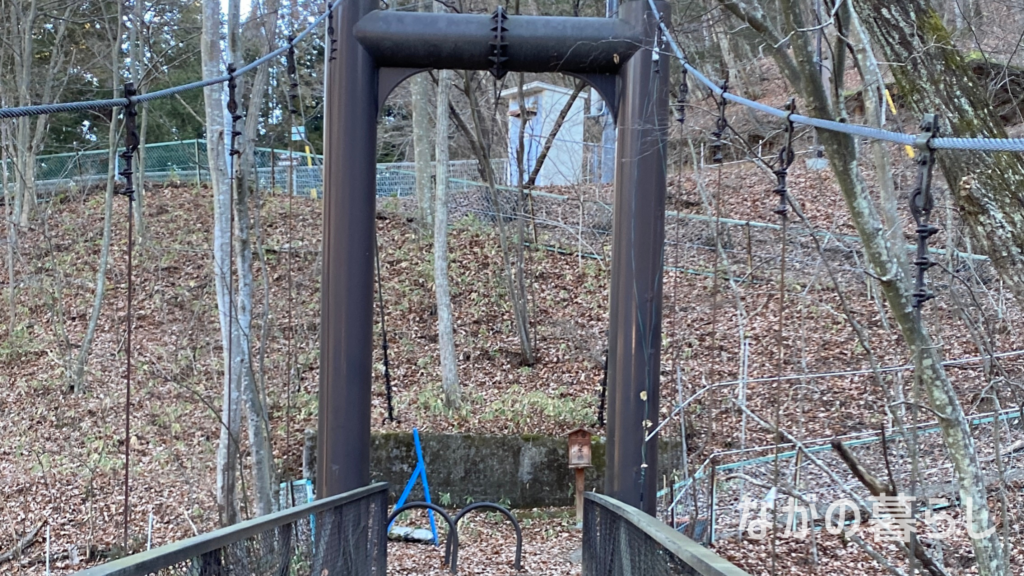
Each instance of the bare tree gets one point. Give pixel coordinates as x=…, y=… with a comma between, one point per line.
x=24, y=23
x=512, y=248
x=216, y=149
x=78, y=375
x=445, y=331
x=264, y=36
x=135, y=47
x=802, y=72
x=933, y=77
x=5, y=171
x=421, y=146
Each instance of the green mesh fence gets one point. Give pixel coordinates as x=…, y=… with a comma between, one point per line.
x=186, y=162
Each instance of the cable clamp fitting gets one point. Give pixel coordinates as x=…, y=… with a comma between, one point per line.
x=233, y=108
x=679, y=108
x=786, y=157
x=921, y=204
x=330, y=33
x=293, y=81
x=720, y=125
x=131, y=140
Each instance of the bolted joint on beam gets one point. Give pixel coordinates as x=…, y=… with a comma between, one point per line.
x=498, y=44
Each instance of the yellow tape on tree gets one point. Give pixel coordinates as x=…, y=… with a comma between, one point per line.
x=892, y=106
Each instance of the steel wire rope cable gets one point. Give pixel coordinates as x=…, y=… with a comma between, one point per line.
x=646, y=335
x=786, y=157
x=934, y=143
x=233, y=176
x=986, y=144
x=679, y=112
x=779, y=168
x=920, y=204
x=380, y=287
x=293, y=102
x=923, y=262
x=128, y=103
x=58, y=107
x=721, y=123
x=383, y=328
x=131, y=145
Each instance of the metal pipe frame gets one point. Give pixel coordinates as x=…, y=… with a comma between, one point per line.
x=346, y=292
x=638, y=239
x=598, y=49
x=462, y=42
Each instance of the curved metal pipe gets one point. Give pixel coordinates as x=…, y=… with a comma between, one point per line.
x=452, y=542
x=518, y=565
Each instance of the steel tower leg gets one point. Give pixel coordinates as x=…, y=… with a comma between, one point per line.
x=346, y=315
x=638, y=238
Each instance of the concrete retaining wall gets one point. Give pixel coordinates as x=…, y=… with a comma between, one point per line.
x=527, y=471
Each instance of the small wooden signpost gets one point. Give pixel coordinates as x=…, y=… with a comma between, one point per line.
x=579, y=460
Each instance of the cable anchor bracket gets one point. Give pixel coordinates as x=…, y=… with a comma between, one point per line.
x=330, y=33
x=233, y=109
x=131, y=141
x=786, y=157
x=679, y=107
x=293, y=80
x=720, y=125
x=921, y=204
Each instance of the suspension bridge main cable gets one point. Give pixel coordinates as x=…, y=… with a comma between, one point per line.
x=56, y=108
x=985, y=144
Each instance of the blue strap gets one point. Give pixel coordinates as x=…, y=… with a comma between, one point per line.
x=406, y=491
x=426, y=487
x=420, y=472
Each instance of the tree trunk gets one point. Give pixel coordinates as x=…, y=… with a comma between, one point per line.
x=512, y=249
x=874, y=94
x=258, y=423
x=25, y=200
x=550, y=140
x=216, y=140
x=933, y=77
x=421, y=150
x=802, y=73
x=730, y=66
x=445, y=331
x=511, y=256
x=421, y=147
x=78, y=376
x=11, y=229
x=135, y=48
x=30, y=139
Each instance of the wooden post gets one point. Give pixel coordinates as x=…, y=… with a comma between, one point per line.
x=199, y=177
x=579, y=460
x=579, y=493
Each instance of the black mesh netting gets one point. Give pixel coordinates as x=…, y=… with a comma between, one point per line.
x=348, y=539
x=615, y=546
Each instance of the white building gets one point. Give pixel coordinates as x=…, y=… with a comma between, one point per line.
x=564, y=163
